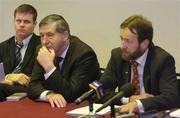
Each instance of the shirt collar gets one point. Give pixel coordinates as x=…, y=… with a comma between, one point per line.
x=26, y=40
x=65, y=52
x=142, y=59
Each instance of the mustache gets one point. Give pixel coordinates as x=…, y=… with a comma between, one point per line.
x=124, y=51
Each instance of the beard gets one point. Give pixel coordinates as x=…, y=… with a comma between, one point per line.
x=131, y=56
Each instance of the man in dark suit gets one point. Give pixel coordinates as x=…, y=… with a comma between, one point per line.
x=18, y=72
x=64, y=81
x=156, y=85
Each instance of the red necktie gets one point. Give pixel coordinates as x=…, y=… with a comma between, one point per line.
x=135, y=79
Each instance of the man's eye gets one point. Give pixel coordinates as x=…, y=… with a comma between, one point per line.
x=26, y=21
x=49, y=35
x=18, y=21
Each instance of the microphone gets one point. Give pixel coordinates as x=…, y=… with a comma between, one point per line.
x=126, y=90
x=96, y=87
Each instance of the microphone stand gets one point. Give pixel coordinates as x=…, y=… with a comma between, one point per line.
x=90, y=106
x=112, y=111
x=91, y=115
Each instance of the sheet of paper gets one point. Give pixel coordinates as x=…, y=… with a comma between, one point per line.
x=85, y=110
x=175, y=114
x=16, y=96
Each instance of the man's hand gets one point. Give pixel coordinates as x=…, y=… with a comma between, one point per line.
x=56, y=100
x=19, y=78
x=46, y=58
x=138, y=97
x=131, y=107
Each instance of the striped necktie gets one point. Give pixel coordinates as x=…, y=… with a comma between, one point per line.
x=135, y=79
x=18, y=55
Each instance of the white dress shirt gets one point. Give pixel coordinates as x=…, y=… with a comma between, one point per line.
x=25, y=45
x=141, y=63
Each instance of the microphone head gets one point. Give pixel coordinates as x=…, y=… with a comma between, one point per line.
x=97, y=86
x=128, y=89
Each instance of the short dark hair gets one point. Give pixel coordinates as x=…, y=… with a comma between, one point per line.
x=26, y=8
x=141, y=25
x=61, y=24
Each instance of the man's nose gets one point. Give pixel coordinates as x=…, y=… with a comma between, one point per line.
x=22, y=24
x=123, y=44
x=44, y=40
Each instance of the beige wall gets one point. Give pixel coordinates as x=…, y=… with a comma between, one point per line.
x=97, y=22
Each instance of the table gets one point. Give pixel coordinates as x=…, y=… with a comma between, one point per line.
x=27, y=108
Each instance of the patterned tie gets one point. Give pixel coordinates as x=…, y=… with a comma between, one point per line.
x=57, y=60
x=135, y=79
x=18, y=57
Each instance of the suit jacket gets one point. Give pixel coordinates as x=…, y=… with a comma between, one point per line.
x=159, y=77
x=7, y=55
x=80, y=67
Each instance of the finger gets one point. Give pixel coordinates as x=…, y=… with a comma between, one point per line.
x=51, y=103
x=27, y=79
x=51, y=51
x=25, y=76
x=21, y=81
x=45, y=49
x=63, y=101
x=57, y=102
x=41, y=50
x=62, y=104
x=131, y=111
x=60, y=101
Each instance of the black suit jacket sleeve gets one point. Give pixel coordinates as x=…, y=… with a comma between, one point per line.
x=163, y=84
x=112, y=71
x=80, y=67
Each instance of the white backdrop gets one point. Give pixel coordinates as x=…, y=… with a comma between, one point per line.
x=96, y=22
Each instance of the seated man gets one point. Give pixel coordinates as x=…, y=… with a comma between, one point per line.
x=150, y=68
x=18, y=53
x=59, y=82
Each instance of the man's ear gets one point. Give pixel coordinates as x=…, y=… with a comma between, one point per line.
x=66, y=35
x=145, y=44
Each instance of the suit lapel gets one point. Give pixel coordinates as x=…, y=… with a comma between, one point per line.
x=11, y=54
x=147, y=79
x=147, y=68
x=29, y=51
x=68, y=56
x=126, y=71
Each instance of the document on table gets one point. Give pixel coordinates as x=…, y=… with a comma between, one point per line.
x=175, y=114
x=16, y=96
x=85, y=110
